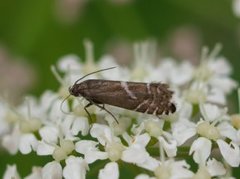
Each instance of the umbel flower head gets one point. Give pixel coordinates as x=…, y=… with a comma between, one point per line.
x=200, y=130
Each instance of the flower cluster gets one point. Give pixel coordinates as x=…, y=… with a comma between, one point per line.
x=201, y=130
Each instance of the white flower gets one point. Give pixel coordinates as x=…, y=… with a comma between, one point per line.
x=179, y=169
x=173, y=169
x=212, y=168
x=113, y=147
x=36, y=173
x=68, y=63
x=201, y=149
x=27, y=143
x=216, y=71
x=118, y=73
x=15, y=141
x=72, y=125
x=11, y=172
x=181, y=74
x=154, y=128
x=4, y=125
x=236, y=7
x=110, y=171
x=52, y=170
x=230, y=152
x=144, y=176
x=183, y=130
x=24, y=124
x=51, y=126
x=75, y=168
x=145, y=55
x=54, y=143
x=215, y=168
x=90, y=151
x=215, y=128
x=11, y=141
x=64, y=130
x=197, y=93
x=134, y=153
x=103, y=133
x=49, y=136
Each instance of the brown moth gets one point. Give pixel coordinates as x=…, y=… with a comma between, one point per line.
x=150, y=98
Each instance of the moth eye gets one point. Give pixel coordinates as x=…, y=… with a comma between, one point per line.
x=70, y=89
x=173, y=108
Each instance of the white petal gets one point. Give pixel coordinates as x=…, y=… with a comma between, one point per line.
x=215, y=168
x=83, y=146
x=210, y=112
x=66, y=126
x=75, y=168
x=36, y=173
x=230, y=152
x=137, y=128
x=80, y=125
x=102, y=133
x=69, y=62
x=46, y=101
x=238, y=137
x=49, y=134
x=227, y=130
x=135, y=154
x=92, y=156
x=149, y=163
x=201, y=149
x=226, y=84
x=185, y=108
x=220, y=66
x=27, y=143
x=216, y=96
x=11, y=172
x=180, y=169
x=11, y=141
x=44, y=149
x=182, y=74
x=54, y=113
x=236, y=7
x=119, y=73
x=183, y=130
x=144, y=176
x=4, y=127
x=91, y=153
x=52, y=170
x=110, y=171
x=128, y=138
x=142, y=139
x=169, y=145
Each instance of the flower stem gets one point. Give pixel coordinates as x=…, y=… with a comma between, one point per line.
x=239, y=100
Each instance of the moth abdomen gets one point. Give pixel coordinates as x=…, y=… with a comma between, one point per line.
x=158, y=101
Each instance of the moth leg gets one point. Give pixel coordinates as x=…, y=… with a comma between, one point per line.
x=85, y=108
x=103, y=108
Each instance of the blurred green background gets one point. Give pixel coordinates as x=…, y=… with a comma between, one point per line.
x=38, y=33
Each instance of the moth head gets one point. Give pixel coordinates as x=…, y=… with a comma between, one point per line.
x=79, y=89
x=172, y=108
x=73, y=90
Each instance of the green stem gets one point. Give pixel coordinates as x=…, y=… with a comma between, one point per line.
x=183, y=151
x=238, y=100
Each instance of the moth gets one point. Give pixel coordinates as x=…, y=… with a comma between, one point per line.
x=150, y=98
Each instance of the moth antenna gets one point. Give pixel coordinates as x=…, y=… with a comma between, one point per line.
x=61, y=106
x=93, y=73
